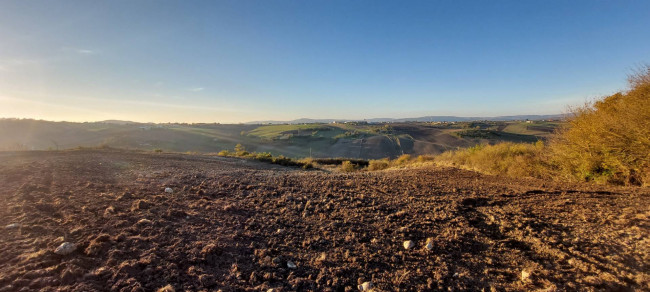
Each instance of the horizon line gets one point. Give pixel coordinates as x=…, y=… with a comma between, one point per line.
x=407, y=119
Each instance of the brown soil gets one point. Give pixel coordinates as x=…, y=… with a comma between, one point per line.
x=233, y=225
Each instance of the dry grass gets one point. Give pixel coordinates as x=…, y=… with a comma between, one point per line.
x=512, y=159
x=347, y=166
x=607, y=141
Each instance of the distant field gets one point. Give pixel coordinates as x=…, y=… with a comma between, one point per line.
x=352, y=140
x=275, y=132
x=537, y=128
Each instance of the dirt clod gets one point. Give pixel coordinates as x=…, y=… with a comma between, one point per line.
x=167, y=288
x=429, y=244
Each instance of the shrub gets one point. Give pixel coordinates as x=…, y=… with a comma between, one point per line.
x=403, y=159
x=347, y=166
x=240, y=151
x=378, y=164
x=425, y=158
x=158, y=150
x=264, y=156
x=338, y=161
x=609, y=140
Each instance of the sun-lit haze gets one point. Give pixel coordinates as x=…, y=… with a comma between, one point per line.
x=239, y=61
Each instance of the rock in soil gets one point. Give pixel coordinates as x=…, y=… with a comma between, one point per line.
x=365, y=286
x=291, y=265
x=65, y=248
x=525, y=275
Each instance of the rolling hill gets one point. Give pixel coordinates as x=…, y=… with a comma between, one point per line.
x=352, y=139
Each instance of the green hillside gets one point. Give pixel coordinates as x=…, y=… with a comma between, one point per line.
x=353, y=140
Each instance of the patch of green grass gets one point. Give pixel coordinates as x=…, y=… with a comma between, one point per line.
x=286, y=132
x=536, y=128
x=207, y=132
x=241, y=152
x=496, y=135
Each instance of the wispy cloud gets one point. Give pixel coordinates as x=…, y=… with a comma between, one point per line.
x=196, y=89
x=80, y=51
x=86, y=52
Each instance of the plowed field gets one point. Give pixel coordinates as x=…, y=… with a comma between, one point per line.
x=238, y=225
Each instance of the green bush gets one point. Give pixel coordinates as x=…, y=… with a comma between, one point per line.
x=339, y=161
x=264, y=156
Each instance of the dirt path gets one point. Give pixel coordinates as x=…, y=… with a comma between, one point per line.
x=235, y=225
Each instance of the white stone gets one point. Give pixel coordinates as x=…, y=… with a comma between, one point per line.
x=14, y=226
x=408, y=244
x=291, y=265
x=169, y=190
x=366, y=286
x=525, y=275
x=145, y=221
x=65, y=248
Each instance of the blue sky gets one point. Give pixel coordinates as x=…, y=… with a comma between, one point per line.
x=237, y=61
